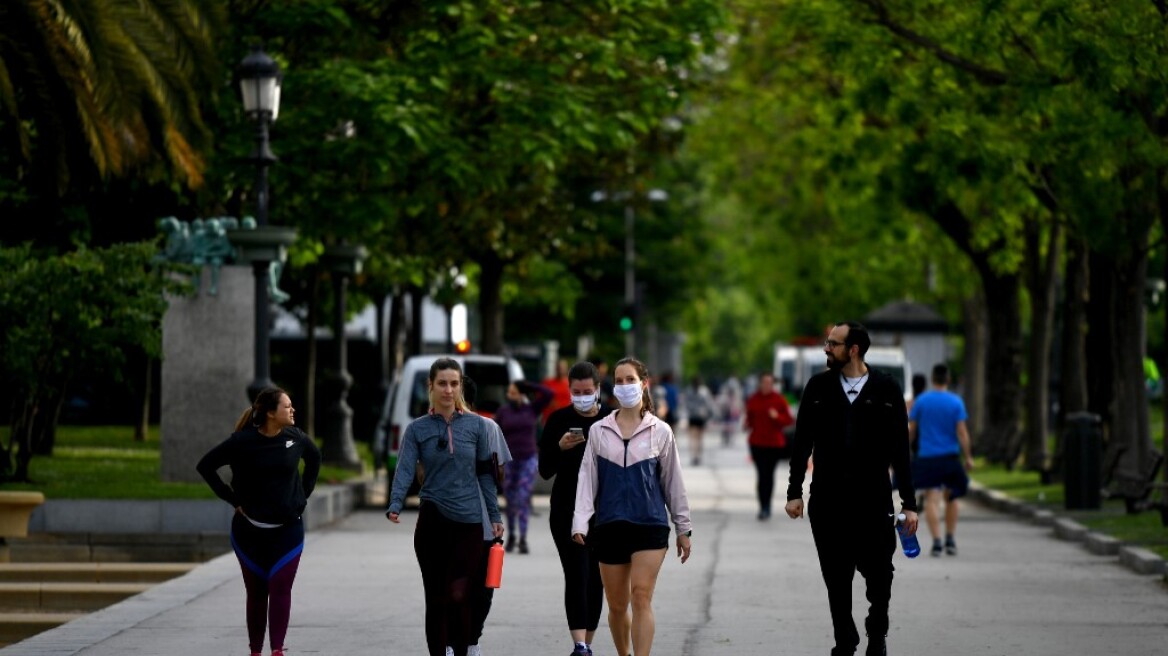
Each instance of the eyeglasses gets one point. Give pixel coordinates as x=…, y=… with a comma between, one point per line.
x=831, y=343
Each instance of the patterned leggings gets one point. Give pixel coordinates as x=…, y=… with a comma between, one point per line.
x=519, y=478
x=269, y=558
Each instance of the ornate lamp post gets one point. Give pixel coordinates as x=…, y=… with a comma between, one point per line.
x=259, y=83
x=339, y=449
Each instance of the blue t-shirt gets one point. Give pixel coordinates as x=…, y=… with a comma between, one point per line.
x=936, y=413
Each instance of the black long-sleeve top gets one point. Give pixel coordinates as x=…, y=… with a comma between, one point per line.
x=564, y=465
x=854, y=443
x=265, y=473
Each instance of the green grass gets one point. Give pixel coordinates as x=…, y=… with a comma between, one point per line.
x=104, y=462
x=1142, y=529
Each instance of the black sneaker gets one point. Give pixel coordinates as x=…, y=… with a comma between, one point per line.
x=936, y=550
x=951, y=547
x=876, y=646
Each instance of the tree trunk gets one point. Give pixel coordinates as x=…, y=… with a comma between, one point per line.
x=1041, y=272
x=395, y=340
x=1073, y=357
x=974, y=381
x=1129, y=428
x=143, y=427
x=1003, y=363
x=490, y=302
x=1004, y=330
x=311, y=321
x=417, y=337
x=22, y=429
x=1100, y=337
x=44, y=424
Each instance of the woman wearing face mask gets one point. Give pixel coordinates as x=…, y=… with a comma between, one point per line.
x=560, y=451
x=629, y=489
x=519, y=420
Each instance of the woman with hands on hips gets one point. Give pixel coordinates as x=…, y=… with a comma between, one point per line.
x=629, y=490
x=453, y=446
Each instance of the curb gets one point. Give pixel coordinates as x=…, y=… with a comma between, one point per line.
x=1137, y=559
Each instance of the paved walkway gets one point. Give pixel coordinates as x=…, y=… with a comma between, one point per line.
x=751, y=588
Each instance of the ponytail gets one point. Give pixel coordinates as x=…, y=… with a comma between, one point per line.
x=244, y=419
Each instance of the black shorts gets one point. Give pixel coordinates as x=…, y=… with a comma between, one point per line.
x=616, y=542
x=697, y=422
x=942, y=471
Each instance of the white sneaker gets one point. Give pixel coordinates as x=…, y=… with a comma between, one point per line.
x=473, y=650
x=449, y=650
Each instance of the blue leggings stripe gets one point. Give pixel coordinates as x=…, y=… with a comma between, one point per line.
x=288, y=557
x=248, y=562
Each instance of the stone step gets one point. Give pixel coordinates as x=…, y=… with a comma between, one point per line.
x=90, y=572
x=65, y=596
x=118, y=547
x=15, y=627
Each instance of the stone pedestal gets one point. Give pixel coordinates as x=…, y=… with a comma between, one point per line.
x=207, y=348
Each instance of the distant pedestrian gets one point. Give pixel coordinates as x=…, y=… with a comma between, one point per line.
x=630, y=487
x=767, y=417
x=731, y=405
x=450, y=442
x=937, y=422
x=519, y=419
x=561, y=450
x=699, y=408
x=853, y=418
x=269, y=495
x=558, y=384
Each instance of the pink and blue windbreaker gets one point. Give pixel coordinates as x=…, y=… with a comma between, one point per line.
x=637, y=481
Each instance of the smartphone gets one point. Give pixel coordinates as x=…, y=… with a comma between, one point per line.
x=576, y=431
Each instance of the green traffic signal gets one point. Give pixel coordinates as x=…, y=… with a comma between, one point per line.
x=626, y=323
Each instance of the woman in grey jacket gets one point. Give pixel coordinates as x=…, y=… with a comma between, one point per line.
x=449, y=442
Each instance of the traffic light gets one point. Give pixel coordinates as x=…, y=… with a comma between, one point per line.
x=626, y=320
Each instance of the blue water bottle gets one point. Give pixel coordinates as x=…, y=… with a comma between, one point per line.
x=912, y=548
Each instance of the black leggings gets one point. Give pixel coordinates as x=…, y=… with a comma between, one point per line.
x=765, y=460
x=483, y=596
x=448, y=554
x=583, y=589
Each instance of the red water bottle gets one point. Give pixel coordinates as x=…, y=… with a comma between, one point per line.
x=495, y=565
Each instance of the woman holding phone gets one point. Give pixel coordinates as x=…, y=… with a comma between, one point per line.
x=560, y=451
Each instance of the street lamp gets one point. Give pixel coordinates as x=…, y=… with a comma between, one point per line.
x=259, y=84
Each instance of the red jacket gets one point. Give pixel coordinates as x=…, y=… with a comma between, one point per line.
x=767, y=430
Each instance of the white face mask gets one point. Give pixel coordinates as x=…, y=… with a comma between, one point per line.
x=584, y=402
x=628, y=395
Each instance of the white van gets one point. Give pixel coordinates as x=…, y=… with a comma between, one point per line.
x=892, y=361
x=795, y=365
x=408, y=397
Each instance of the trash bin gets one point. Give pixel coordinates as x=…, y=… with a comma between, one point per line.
x=1083, y=461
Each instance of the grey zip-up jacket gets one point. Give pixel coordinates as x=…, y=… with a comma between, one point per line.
x=449, y=452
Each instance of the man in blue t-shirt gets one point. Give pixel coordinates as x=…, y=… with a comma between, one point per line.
x=938, y=419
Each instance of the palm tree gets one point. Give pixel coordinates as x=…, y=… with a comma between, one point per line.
x=114, y=85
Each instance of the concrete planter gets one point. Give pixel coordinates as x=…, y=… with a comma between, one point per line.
x=15, y=510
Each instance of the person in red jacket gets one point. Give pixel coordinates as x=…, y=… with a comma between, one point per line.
x=767, y=414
